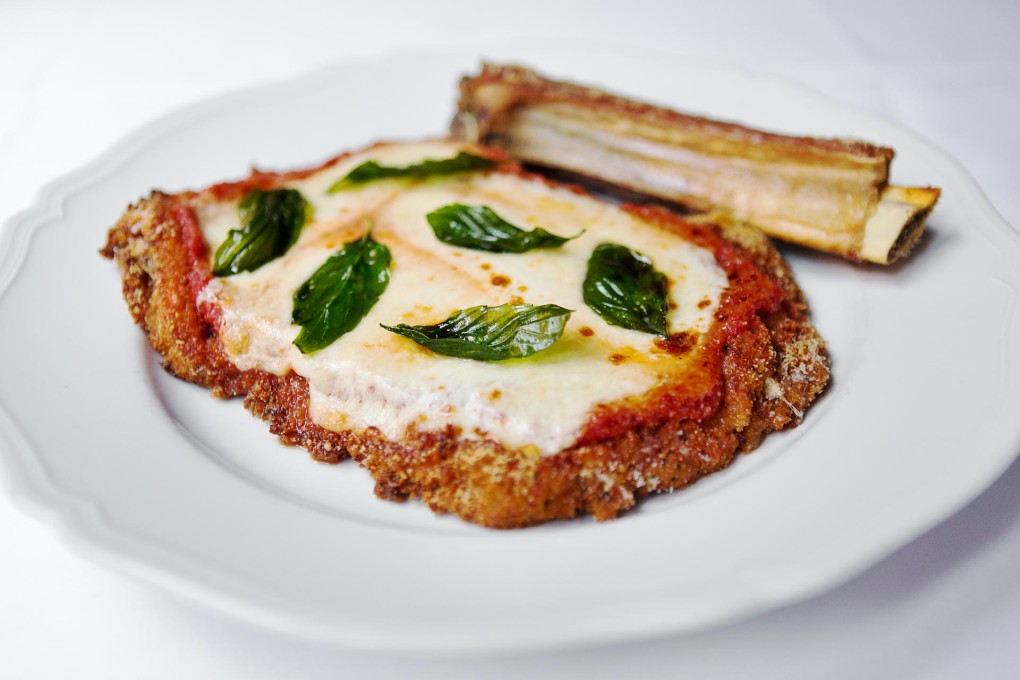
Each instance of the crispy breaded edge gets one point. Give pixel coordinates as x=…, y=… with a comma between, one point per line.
x=771, y=373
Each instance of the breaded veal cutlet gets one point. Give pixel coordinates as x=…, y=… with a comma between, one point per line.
x=595, y=418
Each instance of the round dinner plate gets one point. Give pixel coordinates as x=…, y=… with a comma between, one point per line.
x=155, y=477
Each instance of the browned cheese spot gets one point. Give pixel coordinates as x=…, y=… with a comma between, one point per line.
x=677, y=344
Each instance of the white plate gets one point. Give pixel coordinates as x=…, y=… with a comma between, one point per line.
x=156, y=478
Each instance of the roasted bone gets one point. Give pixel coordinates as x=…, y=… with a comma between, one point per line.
x=828, y=194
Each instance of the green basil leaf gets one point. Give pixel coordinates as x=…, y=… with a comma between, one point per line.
x=340, y=293
x=271, y=222
x=480, y=228
x=491, y=333
x=623, y=288
x=370, y=171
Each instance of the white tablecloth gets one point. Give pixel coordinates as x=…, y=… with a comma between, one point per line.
x=75, y=76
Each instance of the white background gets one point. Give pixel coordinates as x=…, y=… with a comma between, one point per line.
x=76, y=76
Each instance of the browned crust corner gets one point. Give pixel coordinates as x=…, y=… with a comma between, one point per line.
x=148, y=244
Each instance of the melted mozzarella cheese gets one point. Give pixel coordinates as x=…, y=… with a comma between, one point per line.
x=371, y=378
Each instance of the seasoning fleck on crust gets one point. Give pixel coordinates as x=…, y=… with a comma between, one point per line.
x=761, y=365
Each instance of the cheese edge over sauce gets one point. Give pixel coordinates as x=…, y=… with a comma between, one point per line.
x=371, y=378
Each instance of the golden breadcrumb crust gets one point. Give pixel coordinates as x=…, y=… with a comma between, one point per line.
x=769, y=370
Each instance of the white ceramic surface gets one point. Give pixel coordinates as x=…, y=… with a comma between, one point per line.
x=156, y=478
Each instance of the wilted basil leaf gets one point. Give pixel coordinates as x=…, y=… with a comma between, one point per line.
x=491, y=333
x=271, y=222
x=480, y=228
x=369, y=171
x=623, y=288
x=340, y=293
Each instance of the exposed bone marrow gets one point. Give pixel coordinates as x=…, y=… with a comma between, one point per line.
x=828, y=194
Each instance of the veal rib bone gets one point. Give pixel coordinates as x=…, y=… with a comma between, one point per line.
x=827, y=194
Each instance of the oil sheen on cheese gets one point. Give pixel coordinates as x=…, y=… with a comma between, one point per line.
x=371, y=378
